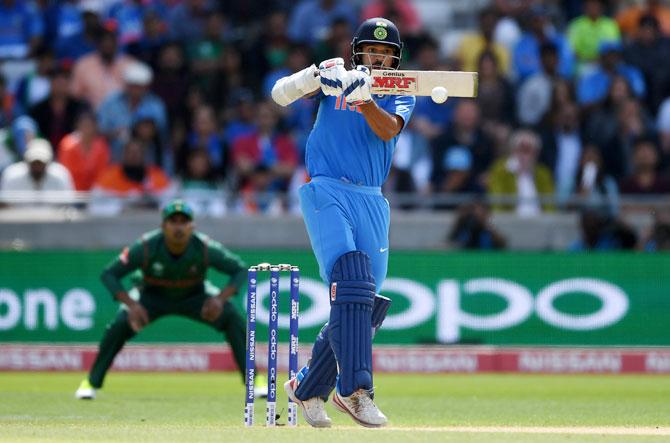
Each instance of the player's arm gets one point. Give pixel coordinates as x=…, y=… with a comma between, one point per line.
x=357, y=89
x=130, y=259
x=385, y=125
x=310, y=81
x=230, y=264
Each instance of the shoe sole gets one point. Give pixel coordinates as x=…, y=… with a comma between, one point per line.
x=340, y=406
x=291, y=394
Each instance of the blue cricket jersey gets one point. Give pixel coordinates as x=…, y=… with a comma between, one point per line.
x=343, y=146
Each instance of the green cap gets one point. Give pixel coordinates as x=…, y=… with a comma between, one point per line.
x=177, y=207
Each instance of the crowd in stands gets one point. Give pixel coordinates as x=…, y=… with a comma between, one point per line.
x=143, y=99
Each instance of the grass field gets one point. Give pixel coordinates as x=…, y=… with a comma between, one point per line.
x=458, y=408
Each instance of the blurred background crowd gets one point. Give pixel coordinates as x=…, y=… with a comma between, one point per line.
x=124, y=103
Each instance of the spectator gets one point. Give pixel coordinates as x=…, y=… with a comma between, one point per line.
x=473, y=229
x=473, y=44
x=6, y=104
x=310, y=19
x=24, y=129
x=130, y=183
x=259, y=196
x=535, y=93
x=37, y=174
x=601, y=123
x=595, y=189
x=265, y=152
x=645, y=178
x=629, y=19
x=562, y=149
x=658, y=237
x=145, y=130
x=592, y=87
x=411, y=167
x=206, y=136
x=522, y=177
x=231, y=82
x=204, y=53
x=337, y=43
x=120, y=109
x=589, y=30
x=602, y=233
x=457, y=175
x=200, y=187
x=617, y=137
x=172, y=82
x=186, y=20
x=527, y=52
x=241, y=116
x=56, y=114
x=97, y=75
x=407, y=17
x=429, y=118
x=22, y=29
x=648, y=52
x=663, y=126
x=129, y=16
x=77, y=29
x=465, y=131
x=84, y=152
x=34, y=87
x=154, y=36
x=270, y=50
x=495, y=97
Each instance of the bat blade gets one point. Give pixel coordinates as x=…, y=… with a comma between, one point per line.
x=458, y=83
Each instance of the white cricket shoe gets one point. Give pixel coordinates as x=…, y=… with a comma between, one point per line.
x=85, y=391
x=361, y=408
x=314, y=409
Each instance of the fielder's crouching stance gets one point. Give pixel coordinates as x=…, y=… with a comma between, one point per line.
x=348, y=157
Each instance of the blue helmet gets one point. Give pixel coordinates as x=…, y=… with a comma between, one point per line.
x=376, y=30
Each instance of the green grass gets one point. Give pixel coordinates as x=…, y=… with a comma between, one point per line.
x=209, y=407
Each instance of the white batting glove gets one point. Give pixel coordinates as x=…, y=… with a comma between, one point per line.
x=332, y=73
x=357, y=86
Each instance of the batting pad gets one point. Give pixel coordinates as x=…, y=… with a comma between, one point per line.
x=352, y=293
x=319, y=381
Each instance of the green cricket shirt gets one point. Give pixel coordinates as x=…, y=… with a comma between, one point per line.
x=173, y=276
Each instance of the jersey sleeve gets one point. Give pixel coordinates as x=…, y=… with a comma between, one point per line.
x=226, y=262
x=130, y=259
x=401, y=105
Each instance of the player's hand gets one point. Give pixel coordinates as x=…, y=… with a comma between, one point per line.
x=357, y=86
x=331, y=74
x=137, y=317
x=211, y=309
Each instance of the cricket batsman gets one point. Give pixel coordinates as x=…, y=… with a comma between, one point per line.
x=173, y=262
x=348, y=157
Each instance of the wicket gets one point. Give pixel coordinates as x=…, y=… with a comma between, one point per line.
x=273, y=346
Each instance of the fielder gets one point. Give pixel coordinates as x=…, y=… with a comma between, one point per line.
x=173, y=262
x=348, y=157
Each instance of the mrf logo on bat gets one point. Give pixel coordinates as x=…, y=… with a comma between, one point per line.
x=394, y=80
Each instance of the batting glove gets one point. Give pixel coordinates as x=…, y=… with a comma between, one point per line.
x=332, y=73
x=357, y=86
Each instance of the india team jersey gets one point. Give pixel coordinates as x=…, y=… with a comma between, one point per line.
x=343, y=146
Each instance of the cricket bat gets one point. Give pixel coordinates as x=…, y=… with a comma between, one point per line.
x=457, y=83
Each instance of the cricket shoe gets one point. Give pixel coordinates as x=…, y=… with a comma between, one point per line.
x=360, y=407
x=85, y=391
x=314, y=409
